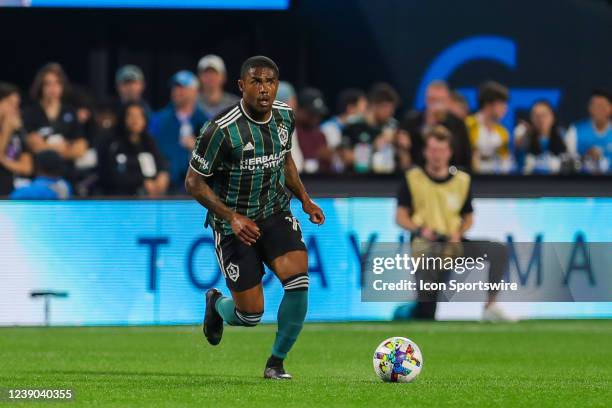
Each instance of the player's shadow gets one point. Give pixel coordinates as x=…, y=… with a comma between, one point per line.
x=148, y=376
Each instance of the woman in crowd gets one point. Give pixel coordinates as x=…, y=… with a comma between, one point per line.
x=51, y=123
x=130, y=163
x=15, y=160
x=539, y=144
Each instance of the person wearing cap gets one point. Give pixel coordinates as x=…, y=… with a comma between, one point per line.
x=311, y=110
x=212, y=75
x=130, y=84
x=176, y=126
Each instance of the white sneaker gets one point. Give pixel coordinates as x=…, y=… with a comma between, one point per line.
x=493, y=313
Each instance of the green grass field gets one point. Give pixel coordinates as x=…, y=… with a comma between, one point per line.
x=537, y=363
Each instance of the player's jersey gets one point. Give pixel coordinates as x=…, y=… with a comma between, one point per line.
x=245, y=161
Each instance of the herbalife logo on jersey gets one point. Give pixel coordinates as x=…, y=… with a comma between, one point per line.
x=283, y=133
x=201, y=161
x=264, y=162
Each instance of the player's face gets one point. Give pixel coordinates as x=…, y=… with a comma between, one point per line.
x=437, y=153
x=259, y=88
x=52, y=87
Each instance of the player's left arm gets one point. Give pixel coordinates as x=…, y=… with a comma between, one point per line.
x=295, y=185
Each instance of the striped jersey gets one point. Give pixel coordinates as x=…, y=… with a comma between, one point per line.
x=244, y=160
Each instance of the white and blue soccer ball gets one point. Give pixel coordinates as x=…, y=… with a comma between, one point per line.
x=398, y=359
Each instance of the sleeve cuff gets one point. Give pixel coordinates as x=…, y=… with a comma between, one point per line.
x=199, y=172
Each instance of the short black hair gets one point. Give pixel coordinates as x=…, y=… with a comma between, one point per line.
x=48, y=163
x=258, y=61
x=383, y=92
x=348, y=97
x=7, y=90
x=490, y=92
x=601, y=93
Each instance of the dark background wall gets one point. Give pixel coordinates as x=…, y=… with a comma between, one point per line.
x=564, y=44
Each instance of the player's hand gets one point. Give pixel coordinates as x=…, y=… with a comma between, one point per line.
x=429, y=234
x=245, y=229
x=314, y=212
x=455, y=237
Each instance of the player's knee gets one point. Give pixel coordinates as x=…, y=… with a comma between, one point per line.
x=249, y=319
x=296, y=282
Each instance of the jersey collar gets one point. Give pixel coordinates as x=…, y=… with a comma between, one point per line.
x=251, y=119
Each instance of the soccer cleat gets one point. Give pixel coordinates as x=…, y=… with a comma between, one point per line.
x=212, y=326
x=275, y=370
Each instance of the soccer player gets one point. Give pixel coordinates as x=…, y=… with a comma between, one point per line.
x=239, y=169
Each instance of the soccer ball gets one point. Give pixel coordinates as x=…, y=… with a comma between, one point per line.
x=398, y=359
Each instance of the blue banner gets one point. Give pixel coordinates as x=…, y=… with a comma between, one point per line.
x=150, y=262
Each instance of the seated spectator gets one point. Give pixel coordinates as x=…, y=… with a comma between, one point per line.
x=489, y=138
x=437, y=112
x=286, y=94
x=591, y=138
x=130, y=85
x=458, y=105
x=15, y=159
x=213, y=99
x=130, y=163
x=538, y=143
x=175, y=126
x=84, y=171
x=368, y=143
x=51, y=123
x=48, y=183
x=352, y=104
x=311, y=109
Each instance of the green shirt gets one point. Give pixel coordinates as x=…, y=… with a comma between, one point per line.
x=244, y=161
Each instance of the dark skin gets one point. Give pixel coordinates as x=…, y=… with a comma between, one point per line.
x=258, y=86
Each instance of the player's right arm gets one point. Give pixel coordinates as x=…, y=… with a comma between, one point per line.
x=207, y=156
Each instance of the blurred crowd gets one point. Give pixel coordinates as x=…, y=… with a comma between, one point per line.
x=62, y=143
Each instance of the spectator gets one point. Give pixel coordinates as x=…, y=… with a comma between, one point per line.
x=489, y=138
x=85, y=166
x=458, y=105
x=130, y=83
x=213, y=99
x=51, y=123
x=437, y=112
x=174, y=127
x=592, y=138
x=311, y=109
x=48, y=184
x=286, y=94
x=15, y=160
x=368, y=143
x=352, y=104
x=539, y=146
x=130, y=163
